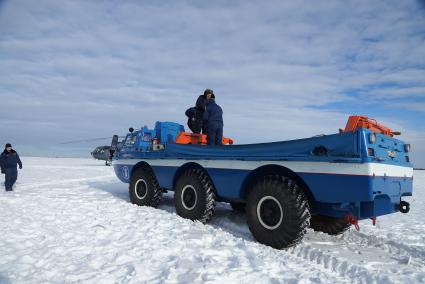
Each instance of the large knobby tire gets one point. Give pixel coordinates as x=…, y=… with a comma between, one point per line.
x=277, y=212
x=194, y=196
x=329, y=225
x=144, y=189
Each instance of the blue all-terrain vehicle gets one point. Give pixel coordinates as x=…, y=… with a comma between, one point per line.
x=325, y=182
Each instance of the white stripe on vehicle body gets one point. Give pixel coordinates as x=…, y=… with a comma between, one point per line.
x=364, y=169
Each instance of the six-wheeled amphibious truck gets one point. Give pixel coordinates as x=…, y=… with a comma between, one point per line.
x=326, y=182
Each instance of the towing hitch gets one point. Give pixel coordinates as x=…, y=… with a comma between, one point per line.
x=352, y=220
x=404, y=207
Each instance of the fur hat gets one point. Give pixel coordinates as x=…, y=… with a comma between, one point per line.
x=208, y=91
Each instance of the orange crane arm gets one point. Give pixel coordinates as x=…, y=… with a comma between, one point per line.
x=356, y=121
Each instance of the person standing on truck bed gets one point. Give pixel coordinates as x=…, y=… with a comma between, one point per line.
x=213, y=118
x=192, y=122
x=201, y=104
x=9, y=160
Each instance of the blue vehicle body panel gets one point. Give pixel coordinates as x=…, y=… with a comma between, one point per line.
x=339, y=145
x=355, y=175
x=342, y=145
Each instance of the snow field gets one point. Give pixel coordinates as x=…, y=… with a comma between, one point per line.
x=70, y=221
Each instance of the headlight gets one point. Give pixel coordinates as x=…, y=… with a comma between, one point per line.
x=372, y=138
x=407, y=148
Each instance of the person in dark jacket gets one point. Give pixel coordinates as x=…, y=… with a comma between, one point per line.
x=9, y=160
x=201, y=104
x=193, y=123
x=213, y=118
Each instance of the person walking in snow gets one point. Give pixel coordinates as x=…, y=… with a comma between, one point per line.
x=9, y=160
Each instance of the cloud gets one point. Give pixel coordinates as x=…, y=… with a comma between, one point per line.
x=87, y=68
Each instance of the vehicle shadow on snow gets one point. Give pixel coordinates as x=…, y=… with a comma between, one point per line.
x=116, y=189
x=224, y=217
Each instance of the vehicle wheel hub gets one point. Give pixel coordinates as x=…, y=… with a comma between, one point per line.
x=141, y=189
x=189, y=197
x=269, y=212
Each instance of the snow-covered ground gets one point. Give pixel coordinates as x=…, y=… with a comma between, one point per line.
x=70, y=220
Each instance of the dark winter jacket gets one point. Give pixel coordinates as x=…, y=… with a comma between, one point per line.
x=190, y=112
x=10, y=160
x=213, y=115
x=201, y=103
x=193, y=122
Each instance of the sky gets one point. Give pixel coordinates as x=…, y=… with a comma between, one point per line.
x=74, y=70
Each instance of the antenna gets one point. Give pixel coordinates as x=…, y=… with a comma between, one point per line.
x=88, y=140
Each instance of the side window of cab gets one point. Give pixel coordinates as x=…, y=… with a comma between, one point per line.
x=130, y=140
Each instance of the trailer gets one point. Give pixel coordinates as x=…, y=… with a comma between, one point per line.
x=326, y=182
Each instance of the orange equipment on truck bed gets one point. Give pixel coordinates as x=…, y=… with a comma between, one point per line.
x=356, y=121
x=192, y=138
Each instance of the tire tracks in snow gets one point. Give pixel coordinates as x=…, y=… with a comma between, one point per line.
x=238, y=228
x=339, y=265
x=343, y=266
x=364, y=256
x=391, y=246
x=241, y=230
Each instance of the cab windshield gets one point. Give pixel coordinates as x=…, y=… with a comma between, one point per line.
x=130, y=139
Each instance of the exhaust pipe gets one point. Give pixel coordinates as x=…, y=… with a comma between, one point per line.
x=404, y=207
